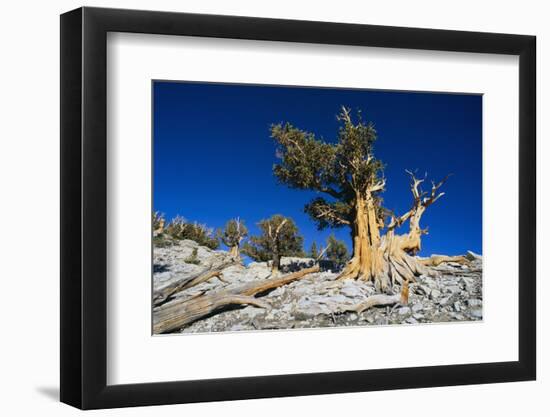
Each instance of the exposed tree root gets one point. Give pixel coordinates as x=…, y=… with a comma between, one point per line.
x=179, y=313
x=393, y=265
x=378, y=300
x=374, y=301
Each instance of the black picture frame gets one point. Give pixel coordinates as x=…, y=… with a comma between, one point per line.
x=84, y=207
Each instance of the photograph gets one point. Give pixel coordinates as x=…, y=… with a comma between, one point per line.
x=294, y=207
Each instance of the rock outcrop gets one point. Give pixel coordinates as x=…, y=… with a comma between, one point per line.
x=317, y=300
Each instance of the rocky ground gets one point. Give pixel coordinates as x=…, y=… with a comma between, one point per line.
x=454, y=294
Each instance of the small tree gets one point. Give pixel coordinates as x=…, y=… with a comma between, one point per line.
x=233, y=234
x=179, y=228
x=337, y=251
x=193, y=258
x=158, y=223
x=313, y=251
x=279, y=237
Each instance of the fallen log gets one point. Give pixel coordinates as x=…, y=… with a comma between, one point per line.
x=163, y=295
x=179, y=313
x=436, y=260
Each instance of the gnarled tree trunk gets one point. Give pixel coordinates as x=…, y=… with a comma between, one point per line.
x=366, y=262
x=391, y=258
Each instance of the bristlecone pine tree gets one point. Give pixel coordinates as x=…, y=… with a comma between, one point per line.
x=279, y=238
x=180, y=228
x=313, y=251
x=349, y=174
x=232, y=236
x=336, y=252
x=158, y=223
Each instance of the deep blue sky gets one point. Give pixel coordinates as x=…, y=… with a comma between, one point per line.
x=213, y=155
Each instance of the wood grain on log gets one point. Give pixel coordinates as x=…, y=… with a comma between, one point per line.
x=179, y=313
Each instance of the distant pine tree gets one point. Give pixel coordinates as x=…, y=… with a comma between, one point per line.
x=337, y=251
x=233, y=234
x=193, y=258
x=279, y=237
x=180, y=229
x=313, y=251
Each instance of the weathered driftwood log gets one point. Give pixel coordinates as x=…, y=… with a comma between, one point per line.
x=179, y=313
x=163, y=294
x=436, y=260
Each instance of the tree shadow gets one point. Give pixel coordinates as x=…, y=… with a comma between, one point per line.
x=160, y=268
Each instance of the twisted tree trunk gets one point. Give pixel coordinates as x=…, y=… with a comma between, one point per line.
x=391, y=258
x=366, y=262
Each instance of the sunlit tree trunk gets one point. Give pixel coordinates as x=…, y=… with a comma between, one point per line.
x=391, y=258
x=367, y=261
x=234, y=251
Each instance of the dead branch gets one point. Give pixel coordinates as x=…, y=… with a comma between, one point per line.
x=378, y=186
x=434, y=196
x=164, y=294
x=396, y=221
x=322, y=253
x=179, y=313
x=328, y=212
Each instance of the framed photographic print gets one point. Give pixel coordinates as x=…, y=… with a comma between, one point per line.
x=257, y=208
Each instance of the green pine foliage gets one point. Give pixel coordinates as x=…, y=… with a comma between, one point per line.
x=233, y=233
x=313, y=251
x=279, y=237
x=337, y=251
x=193, y=258
x=158, y=220
x=341, y=170
x=179, y=229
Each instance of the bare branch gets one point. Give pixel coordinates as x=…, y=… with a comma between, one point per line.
x=344, y=115
x=434, y=196
x=398, y=221
x=297, y=145
x=378, y=186
x=322, y=253
x=278, y=230
x=327, y=211
x=415, y=185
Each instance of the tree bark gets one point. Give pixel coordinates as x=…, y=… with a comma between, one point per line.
x=275, y=263
x=390, y=259
x=179, y=313
x=367, y=260
x=234, y=252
